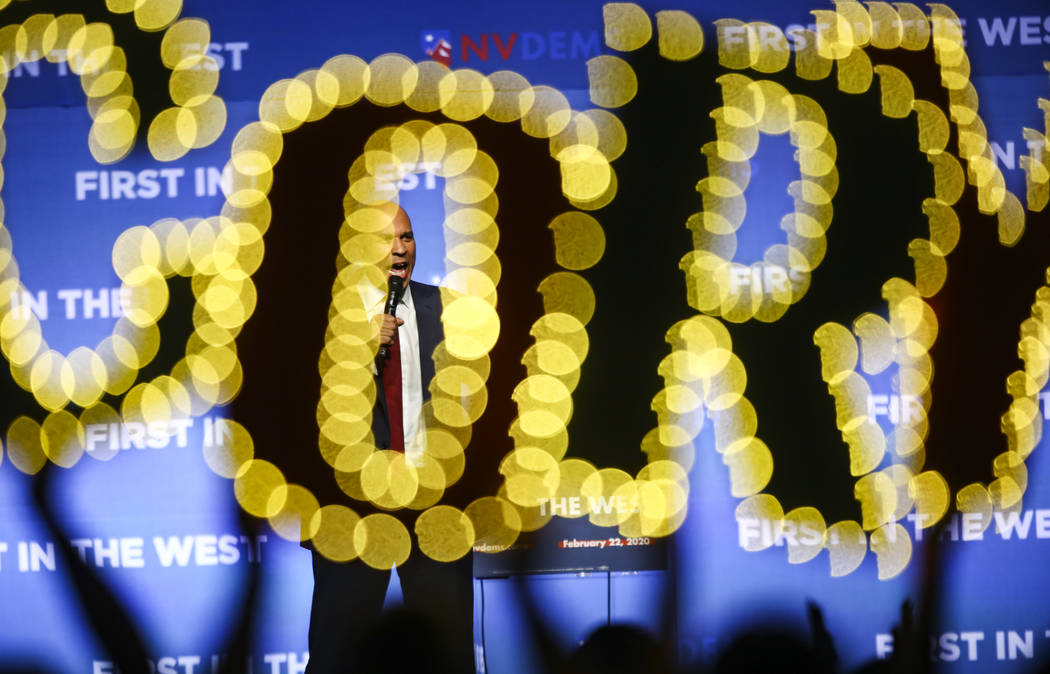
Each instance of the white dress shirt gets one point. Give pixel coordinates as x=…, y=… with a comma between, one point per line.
x=411, y=375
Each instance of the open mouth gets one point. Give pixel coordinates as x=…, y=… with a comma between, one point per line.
x=399, y=269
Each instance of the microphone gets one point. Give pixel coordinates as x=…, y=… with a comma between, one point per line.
x=396, y=290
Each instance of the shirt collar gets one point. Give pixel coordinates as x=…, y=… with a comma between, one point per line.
x=377, y=299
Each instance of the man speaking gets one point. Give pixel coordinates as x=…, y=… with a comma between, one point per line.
x=348, y=597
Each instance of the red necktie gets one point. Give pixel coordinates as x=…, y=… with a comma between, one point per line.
x=392, y=390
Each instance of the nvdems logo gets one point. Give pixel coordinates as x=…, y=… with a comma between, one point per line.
x=526, y=46
x=437, y=44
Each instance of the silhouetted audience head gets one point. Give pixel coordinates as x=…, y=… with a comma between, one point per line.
x=769, y=649
x=619, y=649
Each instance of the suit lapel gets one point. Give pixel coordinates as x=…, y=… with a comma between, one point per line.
x=427, y=300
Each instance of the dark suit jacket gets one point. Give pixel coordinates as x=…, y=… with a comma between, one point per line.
x=427, y=301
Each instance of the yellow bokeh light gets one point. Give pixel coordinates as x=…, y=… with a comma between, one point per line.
x=680, y=36
x=627, y=26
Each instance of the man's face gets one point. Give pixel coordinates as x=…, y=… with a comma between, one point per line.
x=403, y=250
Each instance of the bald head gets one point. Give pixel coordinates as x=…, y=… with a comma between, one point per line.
x=403, y=249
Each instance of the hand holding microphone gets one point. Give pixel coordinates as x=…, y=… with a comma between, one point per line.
x=396, y=289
